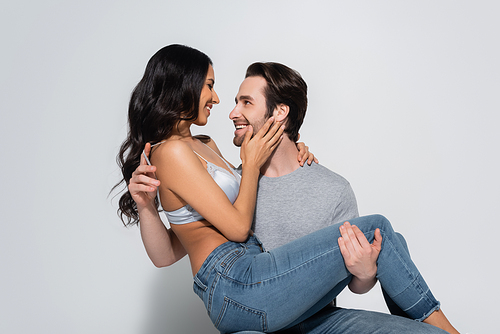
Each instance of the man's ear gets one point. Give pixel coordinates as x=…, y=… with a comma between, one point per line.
x=281, y=112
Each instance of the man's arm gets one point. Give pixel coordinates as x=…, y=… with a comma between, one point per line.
x=360, y=257
x=347, y=207
x=362, y=262
x=162, y=245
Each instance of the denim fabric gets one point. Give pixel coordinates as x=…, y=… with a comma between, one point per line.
x=347, y=321
x=245, y=288
x=334, y=320
x=391, y=305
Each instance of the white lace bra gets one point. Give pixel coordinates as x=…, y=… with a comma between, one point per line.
x=228, y=182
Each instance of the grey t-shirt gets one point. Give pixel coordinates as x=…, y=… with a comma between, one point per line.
x=293, y=205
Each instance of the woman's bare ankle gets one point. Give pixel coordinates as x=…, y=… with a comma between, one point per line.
x=438, y=319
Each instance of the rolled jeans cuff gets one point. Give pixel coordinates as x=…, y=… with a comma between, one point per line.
x=426, y=315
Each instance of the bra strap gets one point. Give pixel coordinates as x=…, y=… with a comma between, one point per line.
x=158, y=143
x=236, y=175
x=149, y=163
x=200, y=156
x=144, y=153
x=224, y=160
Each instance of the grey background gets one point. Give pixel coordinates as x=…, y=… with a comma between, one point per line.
x=403, y=103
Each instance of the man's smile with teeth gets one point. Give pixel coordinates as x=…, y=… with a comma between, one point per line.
x=241, y=126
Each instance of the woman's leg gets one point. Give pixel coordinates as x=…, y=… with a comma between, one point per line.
x=389, y=281
x=399, y=277
x=391, y=305
x=396, y=272
x=272, y=289
x=245, y=289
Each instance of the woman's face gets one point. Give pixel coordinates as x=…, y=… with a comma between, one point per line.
x=208, y=98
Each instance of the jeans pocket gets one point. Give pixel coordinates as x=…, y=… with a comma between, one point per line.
x=235, y=317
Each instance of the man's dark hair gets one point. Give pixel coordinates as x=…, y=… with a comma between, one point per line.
x=284, y=86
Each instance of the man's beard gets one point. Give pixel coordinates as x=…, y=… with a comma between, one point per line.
x=238, y=140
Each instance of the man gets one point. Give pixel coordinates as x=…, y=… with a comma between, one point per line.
x=317, y=196
x=293, y=201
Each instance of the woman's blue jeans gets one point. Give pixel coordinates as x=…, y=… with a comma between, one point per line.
x=244, y=287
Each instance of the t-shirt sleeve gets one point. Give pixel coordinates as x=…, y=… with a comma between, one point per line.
x=347, y=207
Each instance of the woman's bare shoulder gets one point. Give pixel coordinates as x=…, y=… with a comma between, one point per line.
x=172, y=152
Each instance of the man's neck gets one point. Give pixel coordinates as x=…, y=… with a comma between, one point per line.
x=283, y=160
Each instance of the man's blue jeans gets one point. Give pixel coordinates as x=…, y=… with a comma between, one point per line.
x=334, y=320
x=247, y=289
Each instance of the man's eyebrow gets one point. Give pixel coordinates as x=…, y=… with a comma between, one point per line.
x=243, y=97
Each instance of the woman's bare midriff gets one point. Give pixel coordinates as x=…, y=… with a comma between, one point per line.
x=199, y=240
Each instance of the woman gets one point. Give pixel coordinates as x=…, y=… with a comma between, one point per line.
x=211, y=210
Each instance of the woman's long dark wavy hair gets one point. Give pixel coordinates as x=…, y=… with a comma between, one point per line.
x=168, y=92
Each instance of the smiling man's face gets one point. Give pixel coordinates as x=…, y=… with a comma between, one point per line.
x=250, y=108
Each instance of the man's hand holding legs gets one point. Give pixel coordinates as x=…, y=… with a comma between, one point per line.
x=360, y=257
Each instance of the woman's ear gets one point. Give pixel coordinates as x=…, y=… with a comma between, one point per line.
x=281, y=112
